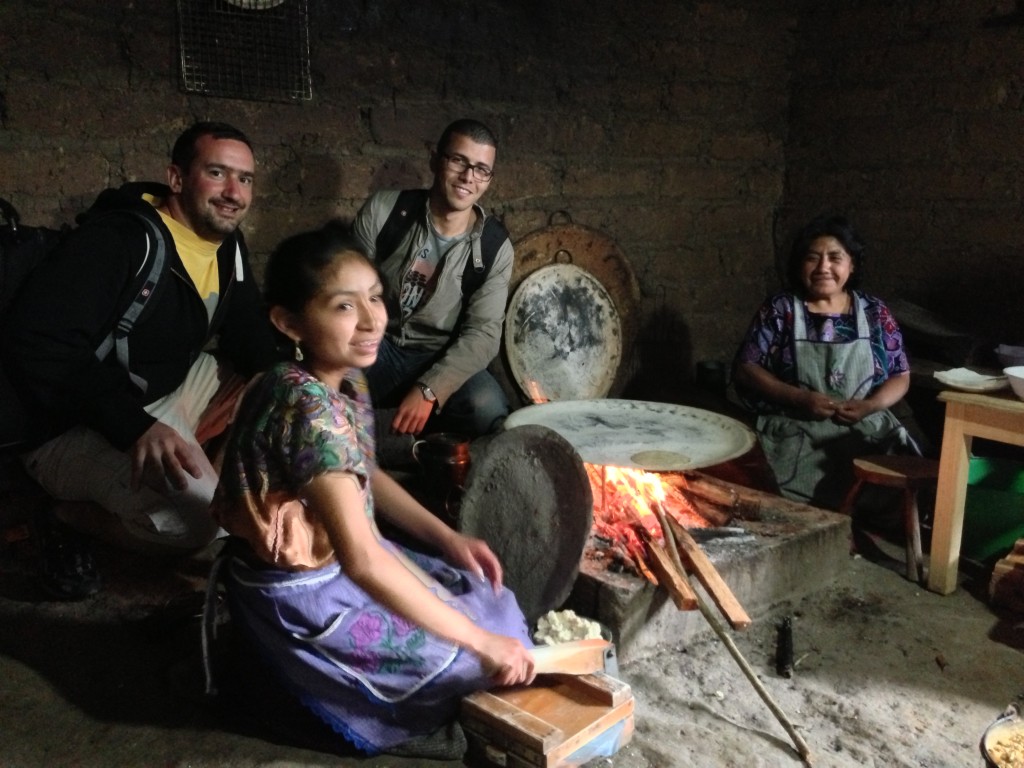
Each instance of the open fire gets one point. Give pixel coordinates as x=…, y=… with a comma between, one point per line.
x=627, y=503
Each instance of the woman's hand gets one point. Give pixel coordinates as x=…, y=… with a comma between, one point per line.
x=506, y=660
x=886, y=396
x=817, y=406
x=805, y=403
x=475, y=556
x=852, y=411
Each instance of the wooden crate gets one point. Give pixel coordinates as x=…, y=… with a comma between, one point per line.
x=549, y=724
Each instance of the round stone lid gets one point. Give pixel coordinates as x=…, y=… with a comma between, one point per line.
x=528, y=496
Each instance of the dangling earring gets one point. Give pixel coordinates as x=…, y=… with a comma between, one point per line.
x=299, y=357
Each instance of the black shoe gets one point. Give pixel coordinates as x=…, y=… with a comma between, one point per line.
x=446, y=743
x=67, y=569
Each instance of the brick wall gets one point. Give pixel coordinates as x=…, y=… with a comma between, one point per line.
x=909, y=117
x=682, y=130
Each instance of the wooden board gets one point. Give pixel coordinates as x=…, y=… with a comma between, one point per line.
x=576, y=657
x=544, y=724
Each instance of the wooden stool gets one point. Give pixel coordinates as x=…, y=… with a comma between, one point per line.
x=909, y=473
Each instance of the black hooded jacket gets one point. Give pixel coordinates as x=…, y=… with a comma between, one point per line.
x=72, y=300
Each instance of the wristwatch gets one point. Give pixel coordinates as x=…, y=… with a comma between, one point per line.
x=428, y=393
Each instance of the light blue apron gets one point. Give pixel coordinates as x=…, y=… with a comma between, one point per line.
x=812, y=460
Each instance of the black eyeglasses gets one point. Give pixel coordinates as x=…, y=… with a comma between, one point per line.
x=459, y=164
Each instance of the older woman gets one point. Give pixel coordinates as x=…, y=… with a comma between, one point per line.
x=821, y=365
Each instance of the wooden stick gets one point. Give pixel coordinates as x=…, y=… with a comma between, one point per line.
x=697, y=563
x=669, y=577
x=666, y=534
x=801, y=745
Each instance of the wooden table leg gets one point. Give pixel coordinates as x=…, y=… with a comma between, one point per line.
x=951, y=493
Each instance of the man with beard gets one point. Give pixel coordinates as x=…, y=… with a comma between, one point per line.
x=115, y=426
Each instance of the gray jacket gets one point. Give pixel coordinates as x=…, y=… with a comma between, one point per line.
x=432, y=325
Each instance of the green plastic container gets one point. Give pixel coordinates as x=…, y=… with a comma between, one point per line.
x=994, y=510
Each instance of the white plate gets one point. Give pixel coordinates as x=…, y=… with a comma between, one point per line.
x=658, y=437
x=967, y=380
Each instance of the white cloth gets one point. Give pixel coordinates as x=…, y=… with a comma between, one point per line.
x=81, y=465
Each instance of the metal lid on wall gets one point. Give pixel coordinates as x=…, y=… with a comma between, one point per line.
x=585, y=269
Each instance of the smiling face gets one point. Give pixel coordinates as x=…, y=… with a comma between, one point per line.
x=826, y=268
x=455, y=190
x=342, y=325
x=212, y=196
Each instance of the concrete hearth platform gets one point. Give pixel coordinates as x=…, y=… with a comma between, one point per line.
x=789, y=551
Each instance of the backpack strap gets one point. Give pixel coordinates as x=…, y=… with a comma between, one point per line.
x=491, y=240
x=409, y=207
x=153, y=268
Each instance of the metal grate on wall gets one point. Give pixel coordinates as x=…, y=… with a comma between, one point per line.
x=246, y=49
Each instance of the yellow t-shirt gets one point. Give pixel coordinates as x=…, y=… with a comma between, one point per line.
x=199, y=257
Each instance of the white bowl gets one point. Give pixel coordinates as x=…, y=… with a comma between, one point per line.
x=1015, y=374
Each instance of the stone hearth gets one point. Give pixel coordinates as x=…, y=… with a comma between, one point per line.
x=790, y=551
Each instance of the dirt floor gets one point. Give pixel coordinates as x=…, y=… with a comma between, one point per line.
x=886, y=674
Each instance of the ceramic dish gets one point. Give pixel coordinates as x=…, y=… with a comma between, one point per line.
x=1003, y=737
x=657, y=437
x=967, y=380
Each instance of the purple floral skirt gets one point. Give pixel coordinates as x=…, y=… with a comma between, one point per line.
x=369, y=674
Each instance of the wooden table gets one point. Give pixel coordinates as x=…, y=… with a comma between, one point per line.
x=998, y=417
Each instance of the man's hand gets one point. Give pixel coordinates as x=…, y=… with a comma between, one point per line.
x=161, y=457
x=412, y=414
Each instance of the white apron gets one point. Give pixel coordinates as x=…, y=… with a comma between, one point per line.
x=812, y=460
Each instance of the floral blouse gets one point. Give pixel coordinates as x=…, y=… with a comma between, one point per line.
x=290, y=428
x=769, y=339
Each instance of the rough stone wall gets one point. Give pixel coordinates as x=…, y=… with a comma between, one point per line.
x=910, y=117
x=661, y=124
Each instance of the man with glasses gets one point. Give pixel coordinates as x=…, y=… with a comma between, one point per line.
x=446, y=267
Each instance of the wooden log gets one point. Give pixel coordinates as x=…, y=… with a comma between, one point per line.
x=714, y=514
x=708, y=489
x=675, y=583
x=697, y=562
x=744, y=503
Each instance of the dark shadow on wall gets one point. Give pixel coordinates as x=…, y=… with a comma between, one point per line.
x=983, y=294
x=663, y=359
x=313, y=188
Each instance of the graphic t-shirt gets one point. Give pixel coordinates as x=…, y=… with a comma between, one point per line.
x=420, y=280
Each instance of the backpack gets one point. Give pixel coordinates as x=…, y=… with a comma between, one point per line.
x=22, y=249
x=409, y=207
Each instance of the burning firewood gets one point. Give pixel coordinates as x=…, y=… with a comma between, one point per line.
x=715, y=503
x=625, y=498
x=669, y=576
